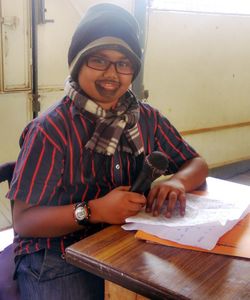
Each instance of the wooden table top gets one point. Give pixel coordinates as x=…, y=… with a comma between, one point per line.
x=161, y=272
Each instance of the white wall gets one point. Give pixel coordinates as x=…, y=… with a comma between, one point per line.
x=197, y=73
x=15, y=75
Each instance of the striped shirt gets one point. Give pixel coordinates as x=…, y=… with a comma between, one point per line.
x=54, y=168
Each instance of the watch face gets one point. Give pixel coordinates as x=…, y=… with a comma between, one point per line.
x=81, y=213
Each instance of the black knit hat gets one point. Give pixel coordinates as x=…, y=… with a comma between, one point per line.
x=105, y=26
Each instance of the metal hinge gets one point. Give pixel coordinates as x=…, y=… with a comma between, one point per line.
x=36, y=106
x=42, y=13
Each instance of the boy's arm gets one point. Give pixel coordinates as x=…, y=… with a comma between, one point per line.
x=192, y=174
x=54, y=221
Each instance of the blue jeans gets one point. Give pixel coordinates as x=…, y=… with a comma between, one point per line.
x=45, y=275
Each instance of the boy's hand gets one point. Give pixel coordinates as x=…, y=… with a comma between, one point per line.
x=170, y=191
x=116, y=206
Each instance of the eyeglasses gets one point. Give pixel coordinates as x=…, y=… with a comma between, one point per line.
x=102, y=64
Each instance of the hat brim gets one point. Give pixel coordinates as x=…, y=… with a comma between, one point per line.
x=112, y=43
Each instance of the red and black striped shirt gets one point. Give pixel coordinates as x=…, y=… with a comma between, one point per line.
x=54, y=168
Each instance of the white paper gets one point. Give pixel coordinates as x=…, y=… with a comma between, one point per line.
x=205, y=221
x=199, y=210
x=203, y=235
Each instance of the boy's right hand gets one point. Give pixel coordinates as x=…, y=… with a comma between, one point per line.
x=116, y=206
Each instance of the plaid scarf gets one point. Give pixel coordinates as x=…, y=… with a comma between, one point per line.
x=115, y=128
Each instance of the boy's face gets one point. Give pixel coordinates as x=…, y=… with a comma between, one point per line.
x=105, y=87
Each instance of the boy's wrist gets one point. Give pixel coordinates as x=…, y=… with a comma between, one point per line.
x=94, y=206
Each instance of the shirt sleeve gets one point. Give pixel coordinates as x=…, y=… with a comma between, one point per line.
x=169, y=141
x=38, y=168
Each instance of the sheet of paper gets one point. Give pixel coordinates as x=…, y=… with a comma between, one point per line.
x=199, y=210
x=203, y=235
x=207, y=217
x=236, y=242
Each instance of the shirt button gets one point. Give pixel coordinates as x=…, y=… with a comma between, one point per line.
x=117, y=167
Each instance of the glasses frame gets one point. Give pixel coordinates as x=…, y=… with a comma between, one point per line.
x=108, y=66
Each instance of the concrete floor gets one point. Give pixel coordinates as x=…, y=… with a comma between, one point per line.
x=243, y=178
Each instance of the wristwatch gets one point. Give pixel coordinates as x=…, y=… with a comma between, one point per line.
x=82, y=213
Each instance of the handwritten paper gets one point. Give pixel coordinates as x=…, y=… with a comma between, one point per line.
x=207, y=218
x=236, y=242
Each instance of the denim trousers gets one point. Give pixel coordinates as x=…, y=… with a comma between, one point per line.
x=45, y=275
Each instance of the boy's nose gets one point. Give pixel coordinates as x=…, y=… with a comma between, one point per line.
x=111, y=70
x=111, y=67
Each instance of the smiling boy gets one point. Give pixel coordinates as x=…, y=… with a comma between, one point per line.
x=79, y=159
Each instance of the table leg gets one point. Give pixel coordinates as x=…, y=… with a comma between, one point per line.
x=117, y=292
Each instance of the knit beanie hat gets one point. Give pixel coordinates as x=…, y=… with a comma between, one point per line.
x=105, y=26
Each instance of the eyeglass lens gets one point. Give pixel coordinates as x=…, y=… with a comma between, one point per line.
x=103, y=64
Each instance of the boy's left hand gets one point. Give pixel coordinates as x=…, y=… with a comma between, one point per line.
x=170, y=191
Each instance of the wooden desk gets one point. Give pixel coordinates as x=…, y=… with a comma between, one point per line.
x=159, y=272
